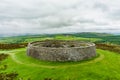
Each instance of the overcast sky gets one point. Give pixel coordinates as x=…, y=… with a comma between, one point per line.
x=59, y=16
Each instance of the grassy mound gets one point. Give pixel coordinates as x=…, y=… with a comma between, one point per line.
x=104, y=67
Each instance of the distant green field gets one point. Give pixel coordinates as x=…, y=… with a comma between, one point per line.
x=104, y=67
x=23, y=39
x=93, y=37
x=76, y=38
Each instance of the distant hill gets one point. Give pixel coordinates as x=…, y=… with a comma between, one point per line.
x=91, y=34
x=84, y=34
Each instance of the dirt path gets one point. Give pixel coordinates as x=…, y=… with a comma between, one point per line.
x=13, y=56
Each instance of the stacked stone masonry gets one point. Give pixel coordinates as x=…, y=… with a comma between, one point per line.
x=67, y=51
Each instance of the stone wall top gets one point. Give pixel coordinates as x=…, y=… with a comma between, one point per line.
x=65, y=44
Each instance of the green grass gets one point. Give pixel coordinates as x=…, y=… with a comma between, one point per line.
x=106, y=66
x=12, y=40
x=26, y=39
x=93, y=37
x=61, y=37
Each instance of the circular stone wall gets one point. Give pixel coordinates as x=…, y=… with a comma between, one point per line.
x=52, y=50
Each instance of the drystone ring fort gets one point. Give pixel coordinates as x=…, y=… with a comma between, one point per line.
x=59, y=50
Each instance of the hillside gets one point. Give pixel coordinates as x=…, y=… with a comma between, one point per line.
x=16, y=65
x=94, y=37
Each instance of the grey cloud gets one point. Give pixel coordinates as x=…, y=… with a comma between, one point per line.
x=53, y=16
x=101, y=6
x=114, y=15
x=91, y=21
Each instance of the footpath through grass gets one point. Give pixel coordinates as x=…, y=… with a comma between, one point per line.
x=104, y=67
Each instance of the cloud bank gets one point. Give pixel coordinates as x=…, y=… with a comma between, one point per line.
x=59, y=16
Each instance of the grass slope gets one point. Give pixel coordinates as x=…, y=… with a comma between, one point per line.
x=103, y=67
